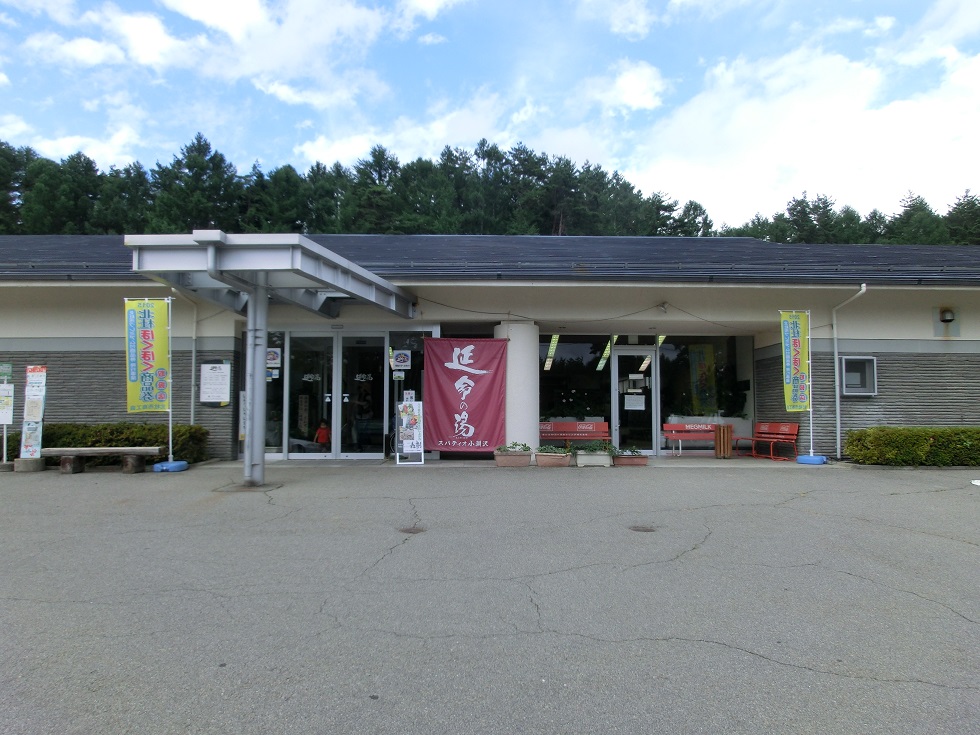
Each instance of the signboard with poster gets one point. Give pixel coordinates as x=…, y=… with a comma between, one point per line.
x=34, y=394
x=409, y=434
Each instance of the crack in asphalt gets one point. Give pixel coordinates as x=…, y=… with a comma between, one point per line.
x=680, y=639
x=416, y=525
x=908, y=592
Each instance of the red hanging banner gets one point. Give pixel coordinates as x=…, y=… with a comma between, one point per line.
x=465, y=391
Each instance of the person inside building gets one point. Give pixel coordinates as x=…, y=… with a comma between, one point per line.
x=322, y=436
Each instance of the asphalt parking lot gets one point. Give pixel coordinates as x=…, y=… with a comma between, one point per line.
x=739, y=596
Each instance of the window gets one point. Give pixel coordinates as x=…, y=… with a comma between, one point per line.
x=860, y=376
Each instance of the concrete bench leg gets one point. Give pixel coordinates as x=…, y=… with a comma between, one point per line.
x=133, y=464
x=72, y=465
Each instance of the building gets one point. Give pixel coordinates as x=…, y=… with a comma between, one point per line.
x=634, y=331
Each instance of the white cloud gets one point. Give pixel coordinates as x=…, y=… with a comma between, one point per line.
x=529, y=111
x=146, y=40
x=13, y=127
x=633, y=85
x=306, y=40
x=882, y=25
x=327, y=151
x=946, y=23
x=428, y=9
x=116, y=150
x=61, y=11
x=408, y=12
x=709, y=8
x=410, y=139
x=320, y=99
x=4, y=80
x=762, y=132
x=630, y=18
x=431, y=39
x=81, y=51
x=236, y=18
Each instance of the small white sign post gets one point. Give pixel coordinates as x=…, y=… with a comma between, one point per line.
x=6, y=402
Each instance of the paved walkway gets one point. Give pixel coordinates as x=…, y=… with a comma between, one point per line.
x=695, y=596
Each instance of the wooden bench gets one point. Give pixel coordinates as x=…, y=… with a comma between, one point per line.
x=690, y=432
x=569, y=431
x=73, y=458
x=770, y=434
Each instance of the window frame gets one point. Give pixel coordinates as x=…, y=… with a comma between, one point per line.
x=869, y=368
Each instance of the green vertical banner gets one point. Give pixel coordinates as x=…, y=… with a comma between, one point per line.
x=796, y=359
x=147, y=355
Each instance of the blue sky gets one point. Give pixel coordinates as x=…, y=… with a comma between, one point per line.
x=738, y=104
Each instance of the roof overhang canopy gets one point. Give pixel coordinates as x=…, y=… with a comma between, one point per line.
x=226, y=269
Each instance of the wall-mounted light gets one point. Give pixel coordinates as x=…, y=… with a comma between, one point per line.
x=946, y=315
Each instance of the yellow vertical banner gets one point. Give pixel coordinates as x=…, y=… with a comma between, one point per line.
x=796, y=359
x=147, y=355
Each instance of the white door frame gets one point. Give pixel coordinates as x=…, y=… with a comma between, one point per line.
x=636, y=351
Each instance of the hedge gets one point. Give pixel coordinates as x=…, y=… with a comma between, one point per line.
x=915, y=446
x=190, y=442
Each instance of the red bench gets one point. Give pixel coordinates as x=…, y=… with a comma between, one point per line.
x=770, y=435
x=569, y=431
x=691, y=432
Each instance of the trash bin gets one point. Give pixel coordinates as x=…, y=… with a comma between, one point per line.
x=723, y=441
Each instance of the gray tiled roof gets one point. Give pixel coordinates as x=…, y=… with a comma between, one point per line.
x=406, y=258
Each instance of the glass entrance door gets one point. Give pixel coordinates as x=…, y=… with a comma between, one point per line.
x=310, y=409
x=635, y=399
x=362, y=419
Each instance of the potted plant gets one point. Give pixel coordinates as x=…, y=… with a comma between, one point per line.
x=551, y=456
x=515, y=454
x=596, y=453
x=630, y=457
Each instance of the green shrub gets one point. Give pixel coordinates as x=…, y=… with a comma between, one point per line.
x=513, y=447
x=915, y=446
x=190, y=442
x=551, y=449
x=594, y=446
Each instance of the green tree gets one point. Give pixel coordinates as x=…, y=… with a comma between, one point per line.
x=491, y=204
x=563, y=208
x=916, y=224
x=288, y=194
x=693, y=221
x=458, y=168
x=256, y=202
x=623, y=208
x=374, y=206
x=327, y=191
x=124, y=202
x=9, y=194
x=963, y=220
x=758, y=227
x=39, y=211
x=527, y=174
x=429, y=202
x=200, y=189
x=58, y=199
x=657, y=215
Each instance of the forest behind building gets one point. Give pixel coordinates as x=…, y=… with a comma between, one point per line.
x=486, y=191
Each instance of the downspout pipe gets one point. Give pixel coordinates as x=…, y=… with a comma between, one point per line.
x=833, y=312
